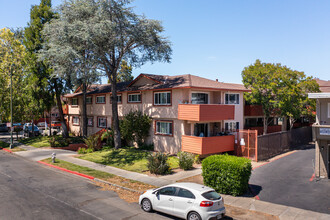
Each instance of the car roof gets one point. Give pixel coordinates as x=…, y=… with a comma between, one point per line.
x=192, y=186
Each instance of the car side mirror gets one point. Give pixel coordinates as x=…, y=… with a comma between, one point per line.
x=156, y=193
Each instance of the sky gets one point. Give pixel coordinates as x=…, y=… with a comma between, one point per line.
x=216, y=39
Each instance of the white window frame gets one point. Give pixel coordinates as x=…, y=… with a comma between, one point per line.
x=228, y=98
x=73, y=120
x=129, y=100
x=90, y=118
x=96, y=101
x=168, y=125
x=230, y=125
x=159, y=99
x=208, y=96
x=98, y=122
x=91, y=98
x=72, y=101
x=121, y=98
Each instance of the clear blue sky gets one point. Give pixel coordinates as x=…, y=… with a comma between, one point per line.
x=218, y=38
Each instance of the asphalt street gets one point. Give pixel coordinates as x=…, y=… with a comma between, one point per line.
x=29, y=190
x=287, y=181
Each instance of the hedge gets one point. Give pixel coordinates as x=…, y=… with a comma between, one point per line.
x=227, y=174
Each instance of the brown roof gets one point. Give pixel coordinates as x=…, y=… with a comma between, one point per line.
x=167, y=82
x=324, y=85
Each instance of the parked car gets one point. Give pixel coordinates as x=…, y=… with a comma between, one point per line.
x=56, y=124
x=27, y=129
x=3, y=127
x=190, y=201
x=41, y=125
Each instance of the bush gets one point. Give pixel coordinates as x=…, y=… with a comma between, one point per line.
x=227, y=174
x=108, y=136
x=92, y=141
x=148, y=147
x=197, y=159
x=81, y=150
x=157, y=163
x=52, y=142
x=186, y=160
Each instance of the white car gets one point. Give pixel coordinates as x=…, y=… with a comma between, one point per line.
x=184, y=200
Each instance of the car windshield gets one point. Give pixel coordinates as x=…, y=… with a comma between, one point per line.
x=211, y=195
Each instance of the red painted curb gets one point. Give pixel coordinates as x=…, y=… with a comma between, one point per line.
x=311, y=179
x=7, y=150
x=69, y=171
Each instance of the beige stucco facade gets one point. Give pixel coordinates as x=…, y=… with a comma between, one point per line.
x=321, y=135
x=164, y=143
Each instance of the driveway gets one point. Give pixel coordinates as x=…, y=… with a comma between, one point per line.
x=288, y=181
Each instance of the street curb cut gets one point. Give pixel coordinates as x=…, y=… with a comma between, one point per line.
x=115, y=185
x=69, y=171
x=7, y=150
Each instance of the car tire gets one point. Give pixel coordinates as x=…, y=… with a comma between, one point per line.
x=194, y=216
x=146, y=205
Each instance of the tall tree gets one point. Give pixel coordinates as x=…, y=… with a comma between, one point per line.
x=12, y=54
x=45, y=87
x=261, y=78
x=125, y=72
x=110, y=31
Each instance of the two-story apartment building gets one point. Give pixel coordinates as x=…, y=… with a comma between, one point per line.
x=321, y=129
x=188, y=112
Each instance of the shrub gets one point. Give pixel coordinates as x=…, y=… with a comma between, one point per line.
x=197, y=159
x=148, y=147
x=157, y=163
x=186, y=160
x=108, y=136
x=92, y=141
x=227, y=174
x=89, y=150
x=52, y=142
x=81, y=150
x=135, y=127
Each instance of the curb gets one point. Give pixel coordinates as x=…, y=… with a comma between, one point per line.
x=115, y=185
x=69, y=171
x=5, y=149
x=89, y=177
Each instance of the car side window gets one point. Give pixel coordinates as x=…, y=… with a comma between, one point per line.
x=185, y=194
x=169, y=191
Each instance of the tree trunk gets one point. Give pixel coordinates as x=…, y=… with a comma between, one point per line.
x=84, y=119
x=117, y=139
x=65, y=133
x=265, y=124
x=284, y=124
x=291, y=120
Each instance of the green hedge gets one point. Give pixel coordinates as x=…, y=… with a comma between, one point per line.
x=227, y=174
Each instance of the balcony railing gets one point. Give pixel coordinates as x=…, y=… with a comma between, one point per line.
x=206, y=112
x=321, y=132
x=208, y=145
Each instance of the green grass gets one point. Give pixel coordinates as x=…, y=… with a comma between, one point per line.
x=79, y=169
x=6, y=145
x=125, y=158
x=43, y=141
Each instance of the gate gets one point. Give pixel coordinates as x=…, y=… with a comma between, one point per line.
x=246, y=144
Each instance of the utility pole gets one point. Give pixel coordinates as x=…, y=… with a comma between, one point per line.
x=11, y=108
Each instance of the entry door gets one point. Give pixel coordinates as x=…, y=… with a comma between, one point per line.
x=201, y=130
x=183, y=203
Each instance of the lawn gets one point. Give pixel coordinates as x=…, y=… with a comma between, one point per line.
x=43, y=141
x=6, y=145
x=101, y=175
x=130, y=159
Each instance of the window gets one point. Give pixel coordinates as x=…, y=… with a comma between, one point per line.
x=186, y=194
x=232, y=99
x=136, y=97
x=89, y=100
x=199, y=98
x=231, y=126
x=119, y=100
x=74, y=101
x=75, y=120
x=162, y=98
x=211, y=195
x=164, y=127
x=100, y=99
x=101, y=122
x=90, y=121
x=328, y=110
x=168, y=191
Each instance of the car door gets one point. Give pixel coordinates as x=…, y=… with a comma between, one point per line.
x=183, y=202
x=163, y=200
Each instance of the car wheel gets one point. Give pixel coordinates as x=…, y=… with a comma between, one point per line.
x=194, y=216
x=146, y=205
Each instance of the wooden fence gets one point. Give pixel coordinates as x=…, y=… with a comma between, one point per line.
x=270, y=145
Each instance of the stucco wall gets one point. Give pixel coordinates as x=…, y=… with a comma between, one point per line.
x=322, y=111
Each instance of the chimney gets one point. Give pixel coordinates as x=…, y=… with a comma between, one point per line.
x=216, y=80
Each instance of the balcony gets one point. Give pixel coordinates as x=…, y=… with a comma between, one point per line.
x=206, y=112
x=208, y=145
x=321, y=132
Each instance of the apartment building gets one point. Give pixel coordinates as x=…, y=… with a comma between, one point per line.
x=188, y=112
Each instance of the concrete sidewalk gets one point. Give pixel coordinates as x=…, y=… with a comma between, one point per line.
x=250, y=204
